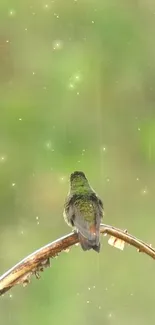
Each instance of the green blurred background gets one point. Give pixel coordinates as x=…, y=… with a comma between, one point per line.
x=77, y=92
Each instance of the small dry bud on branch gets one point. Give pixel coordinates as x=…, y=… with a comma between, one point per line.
x=40, y=259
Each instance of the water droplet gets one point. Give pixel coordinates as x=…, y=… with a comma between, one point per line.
x=12, y=13
x=93, y=22
x=77, y=77
x=13, y=184
x=37, y=217
x=57, y=45
x=138, y=129
x=10, y=295
x=144, y=191
x=62, y=179
x=2, y=159
x=20, y=119
x=89, y=288
x=48, y=145
x=88, y=301
x=67, y=250
x=71, y=86
x=56, y=15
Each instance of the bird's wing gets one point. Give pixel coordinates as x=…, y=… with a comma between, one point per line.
x=68, y=211
x=87, y=226
x=100, y=204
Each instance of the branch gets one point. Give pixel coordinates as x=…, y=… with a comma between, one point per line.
x=40, y=259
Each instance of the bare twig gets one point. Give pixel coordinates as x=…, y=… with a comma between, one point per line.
x=37, y=261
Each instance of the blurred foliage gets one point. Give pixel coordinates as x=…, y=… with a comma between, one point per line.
x=77, y=92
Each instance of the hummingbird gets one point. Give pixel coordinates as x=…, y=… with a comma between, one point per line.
x=83, y=210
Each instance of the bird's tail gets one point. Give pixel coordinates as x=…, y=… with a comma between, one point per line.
x=88, y=244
